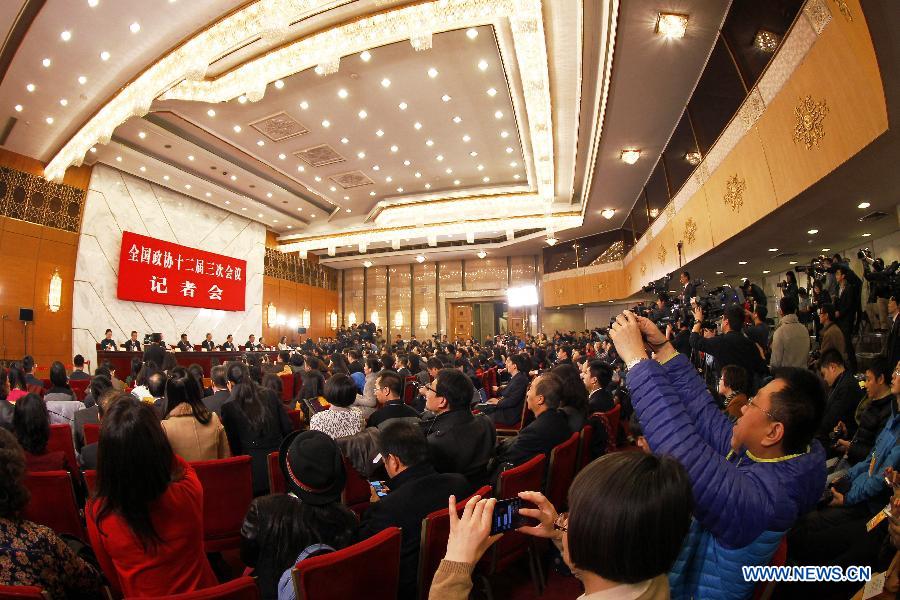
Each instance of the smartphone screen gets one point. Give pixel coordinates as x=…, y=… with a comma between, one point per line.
x=506, y=516
x=379, y=488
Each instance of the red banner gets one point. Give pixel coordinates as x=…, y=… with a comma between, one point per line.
x=160, y=272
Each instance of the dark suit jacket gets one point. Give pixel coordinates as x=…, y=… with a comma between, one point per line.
x=155, y=353
x=88, y=457
x=549, y=429
x=395, y=409
x=79, y=375
x=185, y=346
x=106, y=344
x=32, y=380
x=216, y=400
x=845, y=304
x=208, y=345
x=509, y=409
x=843, y=398
x=892, y=350
x=461, y=442
x=228, y=347
x=132, y=346
x=600, y=401
x=85, y=415
x=732, y=348
x=414, y=493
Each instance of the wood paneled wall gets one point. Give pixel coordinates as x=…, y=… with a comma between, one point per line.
x=31, y=253
x=290, y=299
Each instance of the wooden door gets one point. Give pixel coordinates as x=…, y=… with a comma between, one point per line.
x=517, y=321
x=462, y=321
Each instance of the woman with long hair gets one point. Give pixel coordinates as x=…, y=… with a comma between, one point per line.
x=574, y=399
x=339, y=364
x=17, y=386
x=6, y=408
x=31, y=424
x=194, y=432
x=60, y=399
x=145, y=521
x=255, y=422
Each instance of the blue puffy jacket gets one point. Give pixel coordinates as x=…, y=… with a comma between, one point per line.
x=743, y=504
x=866, y=486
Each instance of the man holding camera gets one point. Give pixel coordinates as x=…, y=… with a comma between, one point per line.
x=846, y=306
x=751, y=481
x=731, y=348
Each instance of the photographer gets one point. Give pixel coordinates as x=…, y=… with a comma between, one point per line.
x=846, y=307
x=789, y=286
x=892, y=347
x=754, y=293
x=750, y=481
x=759, y=331
x=790, y=343
x=688, y=288
x=731, y=348
x=879, y=279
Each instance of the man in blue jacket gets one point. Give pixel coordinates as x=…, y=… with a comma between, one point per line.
x=751, y=481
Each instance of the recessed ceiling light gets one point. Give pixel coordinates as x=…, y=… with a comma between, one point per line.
x=376, y=167
x=439, y=157
x=49, y=120
x=483, y=65
x=304, y=105
x=491, y=92
x=418, y=174
x=66, y=35
x=63, y=102
x=429, y=143
x=290, y=226
x=514, y=164
x=826, y=249
x=367, y=263
x=279, y=84
x=93, y=3
x=348, y=210
x=608, y=213
x=371, y=193
x=326, y=123
x=457, y=119
x=630, y=156
x=671, y=26
x=793, y=262
x=187, y=186
x=260, y=143
x=319, y=70
x=385, y=83
x=282, y=156
x=427, y=186
x=366, y=56
x=237, y=128
x=333, y=189
x=473, y=154
x=456, y=182
x=345, y=141
x=46, y=62
x=18, y=108
x=504, y=134
x=134, y=27
x=118, y=159
x=268, y=194
x=867, y=235
x=445, y=98
x=165, y=177
x=379, y=133
x=403, y=105
x=30, y=87
x=301, y=168
x=448, y=171
x=361, y=154
x=82, y=79
x=259, y=215
x=719, y=272
x=516, y=176
x=509, y=150
x=362, y=114
x=208, y=195
x=234, y=177
x=742, y=262
x=432, y=72
x=399, y=190
x=388, y=179
x=466, y=138
x=190, y=157
x=813, y=231
x=394, y=148
x=498, y=114
x=417, y=125
x=485, y=179
x=242, y=99
x=863, y=205
x=773, y=249
x=342, y=93
x=318, y=179
x=766, y=272
x=104, y=56
x=471, y=33
x=480, y=167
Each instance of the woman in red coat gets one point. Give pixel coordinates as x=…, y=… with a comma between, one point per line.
x=146, y=518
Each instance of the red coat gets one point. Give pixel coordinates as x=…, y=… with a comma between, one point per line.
x=179, y=564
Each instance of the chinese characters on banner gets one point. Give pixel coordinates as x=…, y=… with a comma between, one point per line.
x=152, y=270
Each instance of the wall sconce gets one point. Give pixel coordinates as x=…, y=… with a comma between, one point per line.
x=271, y=314
x=398, y=319
x=351, y=318
x=54, y=298
x=423, y=319
x=333, y=320
x=374, y=317
x=306, y=318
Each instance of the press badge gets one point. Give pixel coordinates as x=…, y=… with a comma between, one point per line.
x=877, y=519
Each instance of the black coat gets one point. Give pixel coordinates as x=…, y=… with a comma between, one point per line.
x=548, y=430
x=216, y=401
x=600, y=400
x=414, y=493
x=394, y=409
x=846, y=305
x=732, y=348
x=461, y=443
x=512, y=397
x=892, y=350
x=243, y=439
x=208, y=345
x=871, y=422
x=843, y=398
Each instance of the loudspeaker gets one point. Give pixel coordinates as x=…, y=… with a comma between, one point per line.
x=26, y=314
x=301, y=330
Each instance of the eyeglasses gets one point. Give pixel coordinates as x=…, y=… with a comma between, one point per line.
x=561, y=523
x=751, y=402
x=428, y=387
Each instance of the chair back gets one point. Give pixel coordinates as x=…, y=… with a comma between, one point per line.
x=227, y=493
x=410, y=385
x=90, y=480
x=296, y=417
x=242, y=588
x=489, y=380
x=610, y=421
x=276, y=477
x=514, y=428
x=47, y=383
x=79, y=387
x=433, y=543
x=35, y=389
x=21, y=592
x=584, y=447
x=52, y=503
x=61, y=440
x=91, y=433
x=561, y=472
x=356, y=490
x=369, y=569
x=287, y=387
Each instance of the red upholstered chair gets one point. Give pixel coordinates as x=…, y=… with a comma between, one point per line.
x=410, y=385
x=296, y=417
x=561, y=472
x=489, y=380
x=433, y=545
x=61, y=439
x=584, y=447
x=610, y=420
x=36, y=389
x=514, y=545
x=513, y=428
x=369, y=569
x=356, y=490
x=53, y=504
x=91, y=433
x=90, y=480
x=242, y=588
x=276, y=477
x=287, y=386
x=227, y=493
x=79, y=386
x=21, y=592
x=47, y=384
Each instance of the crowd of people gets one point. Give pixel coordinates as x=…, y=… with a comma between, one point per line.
x=745, y=439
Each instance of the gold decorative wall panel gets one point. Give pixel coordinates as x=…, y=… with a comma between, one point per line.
x=31, y=198
x=290, y=267
x=810, y=126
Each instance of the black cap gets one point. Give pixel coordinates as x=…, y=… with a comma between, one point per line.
x=313, y=467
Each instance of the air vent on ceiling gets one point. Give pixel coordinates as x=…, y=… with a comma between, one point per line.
x=785, y=254
x=873, y=216
x=319, y=156
x=352, y=179
x=279, y=126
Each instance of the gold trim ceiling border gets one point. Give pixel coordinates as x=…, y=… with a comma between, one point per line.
x=267, y=19
x=810, y=127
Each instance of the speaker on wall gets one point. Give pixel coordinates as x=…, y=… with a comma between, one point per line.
x=26, y=314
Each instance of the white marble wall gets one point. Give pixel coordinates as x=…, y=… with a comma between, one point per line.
x=118, y=202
